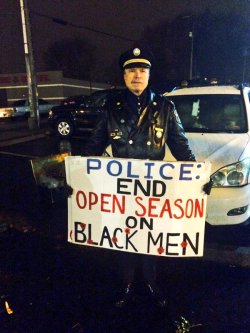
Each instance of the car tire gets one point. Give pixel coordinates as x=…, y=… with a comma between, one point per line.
x=64, y=128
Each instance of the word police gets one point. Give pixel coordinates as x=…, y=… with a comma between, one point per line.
x=165, y=171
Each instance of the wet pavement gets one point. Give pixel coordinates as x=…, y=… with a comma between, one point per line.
x=48, y=285
x=53, y=286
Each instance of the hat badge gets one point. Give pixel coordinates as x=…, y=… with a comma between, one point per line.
x=136, y=52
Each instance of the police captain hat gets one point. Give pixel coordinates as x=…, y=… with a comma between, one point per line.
x=136, y=57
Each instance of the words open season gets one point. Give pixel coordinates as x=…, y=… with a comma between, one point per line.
x=139, y=206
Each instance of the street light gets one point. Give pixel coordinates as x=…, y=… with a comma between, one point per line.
x=30, y=70
x=191, y=35
x=190, y=18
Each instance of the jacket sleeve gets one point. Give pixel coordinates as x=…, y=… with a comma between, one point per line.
x=177, y=140
x=98, y=140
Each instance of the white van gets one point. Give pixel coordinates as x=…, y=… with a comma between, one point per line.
x=216, y=120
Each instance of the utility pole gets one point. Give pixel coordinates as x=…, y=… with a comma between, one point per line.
x=33, y=120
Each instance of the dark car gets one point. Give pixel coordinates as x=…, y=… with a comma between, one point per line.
x=77, y=113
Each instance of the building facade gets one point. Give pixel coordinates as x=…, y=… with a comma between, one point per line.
x=51, y=86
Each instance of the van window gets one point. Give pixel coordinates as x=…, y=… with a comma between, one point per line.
x=211, y=113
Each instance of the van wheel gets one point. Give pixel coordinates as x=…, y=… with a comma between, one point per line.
x=64, y=128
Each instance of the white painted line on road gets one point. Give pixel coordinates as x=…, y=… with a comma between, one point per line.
x=18, y=155
x=21, y=140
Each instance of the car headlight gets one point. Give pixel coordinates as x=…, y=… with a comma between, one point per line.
x=236, y=174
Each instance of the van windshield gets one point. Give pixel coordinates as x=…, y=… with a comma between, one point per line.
x=211, y=113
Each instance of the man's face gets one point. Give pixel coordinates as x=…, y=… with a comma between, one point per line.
x=136, y=79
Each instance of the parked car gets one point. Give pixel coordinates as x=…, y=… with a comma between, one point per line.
x=6, y=112
x=20, y=108
x=217, y=123
x=77, y=113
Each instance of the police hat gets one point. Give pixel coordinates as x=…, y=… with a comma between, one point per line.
x=136, y=57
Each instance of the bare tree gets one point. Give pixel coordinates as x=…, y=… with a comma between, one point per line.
x=219, y=44
x=73, y=56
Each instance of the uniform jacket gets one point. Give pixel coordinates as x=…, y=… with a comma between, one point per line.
x=142, y=137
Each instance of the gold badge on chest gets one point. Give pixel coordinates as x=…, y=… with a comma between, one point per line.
x=116, y=134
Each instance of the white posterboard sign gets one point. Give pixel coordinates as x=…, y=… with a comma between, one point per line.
x=139, y=206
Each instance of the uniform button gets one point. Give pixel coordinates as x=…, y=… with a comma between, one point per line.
x=149, y=143
x=131, y=142
x=154, y=103
x=118, y=103
x=122, y=121
x=158, y=134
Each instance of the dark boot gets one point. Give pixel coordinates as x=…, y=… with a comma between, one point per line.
x=157, y=296
x=125, y=296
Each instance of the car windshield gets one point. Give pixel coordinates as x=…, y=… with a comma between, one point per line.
x=19, y=103
x=211, y=113
x=97, y=99
x=42, y=102
x=74, y=100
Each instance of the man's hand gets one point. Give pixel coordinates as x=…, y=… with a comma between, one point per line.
x=208, y=186
x=68, y=190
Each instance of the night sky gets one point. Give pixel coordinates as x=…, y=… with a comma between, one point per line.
x=124, y=18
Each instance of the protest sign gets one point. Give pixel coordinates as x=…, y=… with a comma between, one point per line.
x=138, y=206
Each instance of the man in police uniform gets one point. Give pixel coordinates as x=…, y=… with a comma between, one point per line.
x=138, y=124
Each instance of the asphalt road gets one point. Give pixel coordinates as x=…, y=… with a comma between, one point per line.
x=55, y=287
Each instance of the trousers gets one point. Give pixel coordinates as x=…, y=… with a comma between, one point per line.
x=139, y=267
